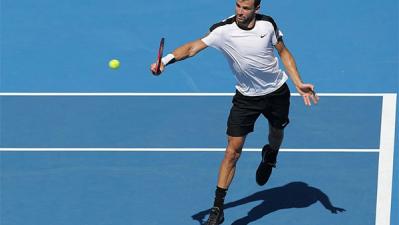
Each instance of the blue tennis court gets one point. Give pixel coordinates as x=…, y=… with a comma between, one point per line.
x=83, y=144
x=110, y=167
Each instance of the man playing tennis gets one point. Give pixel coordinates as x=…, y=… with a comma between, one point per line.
x=247, y=40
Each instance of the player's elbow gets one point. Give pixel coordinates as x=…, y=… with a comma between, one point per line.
x=195, y=47
x=283, y=52
x=286, y=56
x=191, y=53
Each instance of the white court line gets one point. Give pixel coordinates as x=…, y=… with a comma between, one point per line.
x=170, y=94
x=184, y=150
x=385, y=162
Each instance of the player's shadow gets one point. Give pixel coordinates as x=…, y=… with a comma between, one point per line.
x=292, y=195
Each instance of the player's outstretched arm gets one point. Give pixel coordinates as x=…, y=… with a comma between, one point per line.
x=183, y=52
x=305, y=90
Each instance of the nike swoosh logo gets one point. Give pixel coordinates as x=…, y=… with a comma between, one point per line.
x=262, y=35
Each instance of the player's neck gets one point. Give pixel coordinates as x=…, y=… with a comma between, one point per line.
x=247, y=26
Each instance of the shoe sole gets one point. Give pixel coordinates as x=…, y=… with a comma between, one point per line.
x=220, y=222
x=266, y=176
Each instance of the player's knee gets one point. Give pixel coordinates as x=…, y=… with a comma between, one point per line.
x=234, y=148
x=276, y=132
x=232, y=155
x=235, y=142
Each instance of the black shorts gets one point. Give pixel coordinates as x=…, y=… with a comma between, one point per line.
x=246, y=110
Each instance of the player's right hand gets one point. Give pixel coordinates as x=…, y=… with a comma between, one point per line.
x=154, y=68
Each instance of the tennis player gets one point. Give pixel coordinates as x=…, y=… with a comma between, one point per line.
x=247, y=40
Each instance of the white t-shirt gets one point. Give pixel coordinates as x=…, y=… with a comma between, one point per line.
x=250, y=54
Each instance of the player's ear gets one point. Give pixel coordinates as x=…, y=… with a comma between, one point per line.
x=257, y=9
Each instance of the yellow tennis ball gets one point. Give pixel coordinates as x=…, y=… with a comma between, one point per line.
x=114, y=64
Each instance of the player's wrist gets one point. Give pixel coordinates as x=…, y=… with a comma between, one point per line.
x=168, y=59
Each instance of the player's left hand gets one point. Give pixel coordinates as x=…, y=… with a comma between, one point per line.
x=308, y=94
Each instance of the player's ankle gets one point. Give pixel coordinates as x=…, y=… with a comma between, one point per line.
x=220, y=194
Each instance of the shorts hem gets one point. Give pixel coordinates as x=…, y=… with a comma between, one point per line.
x=239, y=131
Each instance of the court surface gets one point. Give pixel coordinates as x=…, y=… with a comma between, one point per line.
x=83, y=144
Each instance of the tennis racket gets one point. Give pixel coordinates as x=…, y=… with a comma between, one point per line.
x=160, y=54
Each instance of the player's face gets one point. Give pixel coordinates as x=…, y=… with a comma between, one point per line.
x=245, y=11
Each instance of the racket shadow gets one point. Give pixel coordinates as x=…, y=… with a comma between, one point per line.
x=292, y=195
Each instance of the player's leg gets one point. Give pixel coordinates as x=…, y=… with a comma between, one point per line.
x=269, y=155
x=275, y=138
x=226, y=175
x=228, y=165
x=241, y=121
x=277, y=115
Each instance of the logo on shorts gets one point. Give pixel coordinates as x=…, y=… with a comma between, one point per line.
x=284, y=124
x=262, y=35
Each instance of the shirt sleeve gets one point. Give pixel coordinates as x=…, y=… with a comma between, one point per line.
x=213, y=38
x=278, y=36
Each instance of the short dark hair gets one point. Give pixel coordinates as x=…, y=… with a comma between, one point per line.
x=257, y=2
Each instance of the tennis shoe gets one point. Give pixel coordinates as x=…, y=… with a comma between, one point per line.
x=269, y=158
x=216, y=217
